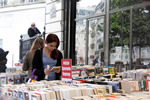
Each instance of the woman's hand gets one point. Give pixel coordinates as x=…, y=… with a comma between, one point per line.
x=47, y=71
x=57, y=71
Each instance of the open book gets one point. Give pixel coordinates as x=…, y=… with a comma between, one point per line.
x=55, y=68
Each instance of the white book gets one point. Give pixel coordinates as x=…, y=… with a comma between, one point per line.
x=42, y=94
x=27, y=95
x=3, y=80
x=15, y=93
x=21, y=95
x=35, y=97
x=10, y=79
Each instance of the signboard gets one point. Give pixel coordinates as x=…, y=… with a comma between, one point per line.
x=66, y=70
x=148, y=78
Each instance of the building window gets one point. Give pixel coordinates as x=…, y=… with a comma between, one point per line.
x=141, y=37
x=22, y=1
x=3, y=3
x=80, y=41
x=119, y=37
x=90, y=7
x=96, y=40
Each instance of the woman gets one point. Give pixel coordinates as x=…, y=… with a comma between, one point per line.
x=49, y=55
x=27, y=64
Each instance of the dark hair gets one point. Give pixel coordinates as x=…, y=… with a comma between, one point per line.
x=53, y=38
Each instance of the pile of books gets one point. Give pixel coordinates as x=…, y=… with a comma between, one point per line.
x=12, y=78
x=58, y=90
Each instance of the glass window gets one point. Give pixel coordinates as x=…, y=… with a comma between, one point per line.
x=22, y=1
x=96, y=41
x=3, y=3
x=141, y=37
x=1, y=43
x=116, y=4
x=119, y=37
x=89, y=7
x=80, y=41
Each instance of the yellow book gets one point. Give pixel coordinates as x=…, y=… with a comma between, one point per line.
x=55, y=68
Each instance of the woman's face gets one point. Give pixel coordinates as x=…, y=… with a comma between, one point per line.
x=51, y=46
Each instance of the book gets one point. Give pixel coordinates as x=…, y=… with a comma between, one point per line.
x=55, y=68
x=10, y=79
x=26, y=95
x=17, y=79
x=35, y=97
x=15, y=93
x=2, y=79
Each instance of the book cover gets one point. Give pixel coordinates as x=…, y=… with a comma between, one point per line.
x=3, y=80
x=17, y=79
x=10, y=79
x=111, y=70
x=26, y=96
x=15, y=93
x=35, y=97
x=20, y=95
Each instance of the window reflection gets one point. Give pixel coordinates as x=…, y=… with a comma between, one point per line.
x=3, y=3
x=90, y=7
x=80, y=41
x=141, y=37
x=96, y=40
x=116, y=4
x=119, y=37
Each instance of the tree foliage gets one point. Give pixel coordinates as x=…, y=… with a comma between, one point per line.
x=141, y=24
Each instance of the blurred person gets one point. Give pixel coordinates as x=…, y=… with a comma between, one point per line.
x=49, y=55
x=27, y=64
x=33, y=30
x=3, y=60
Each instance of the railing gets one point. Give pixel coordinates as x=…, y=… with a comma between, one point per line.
x=25, y=46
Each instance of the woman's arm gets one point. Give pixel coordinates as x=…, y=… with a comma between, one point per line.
x=25, y=66
x=37, y=64
x=60, y=56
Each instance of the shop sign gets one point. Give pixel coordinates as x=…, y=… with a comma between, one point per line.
x=148, y=78
x=66, y=70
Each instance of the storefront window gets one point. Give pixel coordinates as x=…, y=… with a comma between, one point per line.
x=80, y=41
x=1, y=43
x=3, y=3
x=90, y=7
x=116, y=4
x=141, y=37
x=96, y=40
x=119, y=37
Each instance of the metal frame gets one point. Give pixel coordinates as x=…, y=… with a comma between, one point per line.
x=106, y=36
x=87, y=41
x=90, y=17
x=69, y=25
x=131, y=18
x=129, y=7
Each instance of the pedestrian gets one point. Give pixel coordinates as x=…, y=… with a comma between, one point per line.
x=49, y=55
x=33, y=30
x=27, y=64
